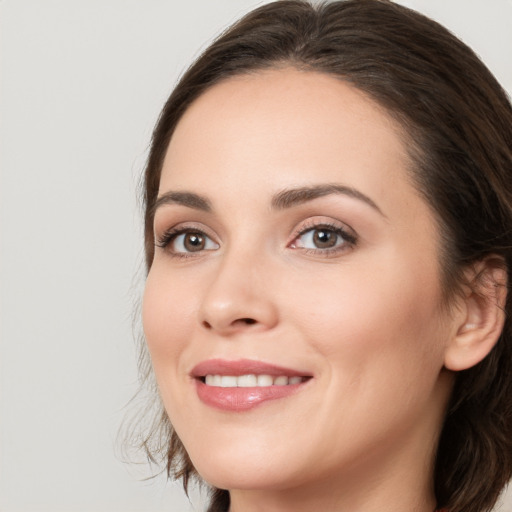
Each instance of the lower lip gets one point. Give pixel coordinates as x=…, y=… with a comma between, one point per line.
x=243, y=399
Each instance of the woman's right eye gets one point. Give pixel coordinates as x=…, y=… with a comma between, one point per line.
x=183, y=242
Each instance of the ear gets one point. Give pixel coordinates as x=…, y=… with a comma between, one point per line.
x=482, y=314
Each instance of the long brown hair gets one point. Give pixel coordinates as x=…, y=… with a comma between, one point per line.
x=459, y=125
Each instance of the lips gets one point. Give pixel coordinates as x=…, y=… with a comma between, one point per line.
x=244, y=384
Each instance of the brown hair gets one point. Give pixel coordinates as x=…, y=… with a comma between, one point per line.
x=459, y=125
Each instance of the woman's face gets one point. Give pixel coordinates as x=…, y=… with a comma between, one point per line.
x=293, y=308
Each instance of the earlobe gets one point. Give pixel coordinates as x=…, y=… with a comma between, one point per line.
x=482, y=315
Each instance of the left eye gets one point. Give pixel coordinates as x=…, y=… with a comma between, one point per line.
x=192, y=242
x=320, y=238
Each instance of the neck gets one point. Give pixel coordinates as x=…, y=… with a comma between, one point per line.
x=376, y=496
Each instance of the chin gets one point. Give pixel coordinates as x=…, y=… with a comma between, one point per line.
x=244, y=466
x=248, y=477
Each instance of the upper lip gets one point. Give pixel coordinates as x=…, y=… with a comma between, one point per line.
x=243, y=367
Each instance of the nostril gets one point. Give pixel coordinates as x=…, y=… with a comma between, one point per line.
x=239, y=322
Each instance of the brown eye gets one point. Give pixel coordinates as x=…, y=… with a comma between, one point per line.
x=193, y=242
x=324, y=238
x=190, y=242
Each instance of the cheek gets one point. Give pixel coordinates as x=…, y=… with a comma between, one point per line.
x=166, y=313
x=383, y=344
x=386, y=314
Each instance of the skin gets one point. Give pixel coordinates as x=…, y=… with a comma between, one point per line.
x=366, y=319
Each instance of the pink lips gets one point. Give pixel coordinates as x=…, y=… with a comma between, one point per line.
x=242, y=398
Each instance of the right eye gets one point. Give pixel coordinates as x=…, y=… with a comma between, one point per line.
x=186, y=241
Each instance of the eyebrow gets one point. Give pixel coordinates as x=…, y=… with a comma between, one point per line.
x=295, y=196
x=284, y=199
x=189, y=199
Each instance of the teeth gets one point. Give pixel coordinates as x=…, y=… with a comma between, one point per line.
x=250, y=381
x=281, y=381
x=247, y=381
x=265, y=380
x=227, y=381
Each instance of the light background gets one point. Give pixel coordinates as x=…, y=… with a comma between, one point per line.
x=82, y=83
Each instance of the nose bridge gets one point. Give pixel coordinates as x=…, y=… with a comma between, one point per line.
x=238, y=296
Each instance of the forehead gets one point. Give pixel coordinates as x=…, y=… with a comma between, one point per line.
x=287, y=127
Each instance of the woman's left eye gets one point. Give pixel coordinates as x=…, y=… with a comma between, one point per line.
x=323, y=238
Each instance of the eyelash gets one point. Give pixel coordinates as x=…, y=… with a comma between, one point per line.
x=169, y=236
x=349, y=239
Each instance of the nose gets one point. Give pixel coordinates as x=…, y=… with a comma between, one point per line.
x=239, y=297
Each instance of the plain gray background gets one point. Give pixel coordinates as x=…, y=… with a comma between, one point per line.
x=82, y=83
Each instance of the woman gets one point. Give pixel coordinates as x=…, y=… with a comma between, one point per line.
x=328, y=236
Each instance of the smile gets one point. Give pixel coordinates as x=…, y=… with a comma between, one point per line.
x=250, y=380
x=237, y=386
